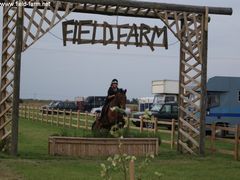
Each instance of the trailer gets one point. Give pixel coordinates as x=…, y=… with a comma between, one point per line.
x=165, y=91
x=223, y=101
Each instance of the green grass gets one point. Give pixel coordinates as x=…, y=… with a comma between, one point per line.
x=34, y=162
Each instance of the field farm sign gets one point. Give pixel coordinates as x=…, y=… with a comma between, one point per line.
x=91, y=32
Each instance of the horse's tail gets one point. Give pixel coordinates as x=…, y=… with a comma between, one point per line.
x=95, y=125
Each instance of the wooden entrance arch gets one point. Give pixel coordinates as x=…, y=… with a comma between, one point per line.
x=189, y=24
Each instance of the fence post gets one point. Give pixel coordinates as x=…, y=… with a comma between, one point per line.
x=38, y=110
x=141, y=124
x=47, y=115
x=28, y=113
x=86, y=121
x=131, y=170
x=213, y=134
x=42, y=115
x=236, y=142
x=20, y=111
x=78, y=118
x=155, y=125
x=32, y=113
x=70, y=120
x=52, y=116
x=25, y=112
x=58, y=117
x=35, y=113
x=64, y=117
x=173, y=134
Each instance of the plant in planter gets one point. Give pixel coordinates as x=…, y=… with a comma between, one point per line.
x=121, y=163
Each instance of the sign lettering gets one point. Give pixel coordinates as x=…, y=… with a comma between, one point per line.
x=91, y=32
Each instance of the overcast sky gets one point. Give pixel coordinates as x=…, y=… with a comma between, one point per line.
x=52, y=71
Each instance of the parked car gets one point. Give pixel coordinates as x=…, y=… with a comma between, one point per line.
x=99, y=109
x=93, y=102
x=96, y=110
x=60, y=105
x=163, y=112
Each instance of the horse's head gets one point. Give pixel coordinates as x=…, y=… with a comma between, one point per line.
x=121, y=98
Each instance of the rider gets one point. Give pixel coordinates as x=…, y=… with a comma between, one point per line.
x=110, y=96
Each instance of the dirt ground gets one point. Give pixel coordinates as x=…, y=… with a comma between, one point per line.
x=7, y=174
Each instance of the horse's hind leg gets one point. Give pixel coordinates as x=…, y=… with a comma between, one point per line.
x=96, y=125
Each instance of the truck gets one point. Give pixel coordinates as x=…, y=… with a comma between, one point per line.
x=164, y=106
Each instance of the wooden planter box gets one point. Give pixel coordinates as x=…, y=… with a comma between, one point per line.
x=82, y=147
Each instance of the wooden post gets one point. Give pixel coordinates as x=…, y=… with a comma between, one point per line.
x=173, y=134
x=213, y=134
x=57, y=117
x=20, y=111
x=236, y=149
x=78, y=118
x=203, y=100
x=38, y=110
x=70, y=120
x=28, y=113
x=47, y=115
x=155, y=125
x=64, y=117
x=42, y=115
x=131, y=170
x=86, y=121
x=181, y=89
x=31, y=113
x=141, y=124
x=52, y=116
x=16, y=80
x=25, y=111
x=36, y=113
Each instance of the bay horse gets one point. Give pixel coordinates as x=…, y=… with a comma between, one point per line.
x=113, y=114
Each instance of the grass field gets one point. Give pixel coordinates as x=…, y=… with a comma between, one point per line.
x=33, y=161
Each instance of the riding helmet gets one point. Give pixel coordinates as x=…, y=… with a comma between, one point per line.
x=114, y=81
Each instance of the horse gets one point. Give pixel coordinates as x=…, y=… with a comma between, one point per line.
x=114, y=113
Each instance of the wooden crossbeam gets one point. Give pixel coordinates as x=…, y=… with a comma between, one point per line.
x=188, y=125
x=9, y=57
x=154, y=5
x=184, y=145
x=4, y=74
x=189, y=137
x=6, y=135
